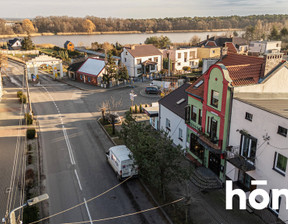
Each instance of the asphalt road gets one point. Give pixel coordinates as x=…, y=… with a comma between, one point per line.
x=75, y=166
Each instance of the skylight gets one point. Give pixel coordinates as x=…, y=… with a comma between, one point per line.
x=198, y=84
x=180, y=101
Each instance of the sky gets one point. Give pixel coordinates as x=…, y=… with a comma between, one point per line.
x=140, y=8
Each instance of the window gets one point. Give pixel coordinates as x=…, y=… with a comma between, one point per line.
x=244, y=179
x=270, y=203
x=195, y=147
x=179, y=55
x=187, y=114
x=214, y=98
x=89, y=79
x=156, y=59
x=125, y=60
x=213, y=130
x=180, y=136
x=153, y=67
x=179, y=63
x=193, y=113
x=248, y=116
x=280, y=163
x=248, y=147
x=213, y=51
x=126, y=53
x=200, y=117
x=81, y=77
x=138, y=61
x=282, y=131
x=168, y=124
x=139, y=70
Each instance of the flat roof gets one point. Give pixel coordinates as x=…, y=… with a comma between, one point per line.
x=275, y=103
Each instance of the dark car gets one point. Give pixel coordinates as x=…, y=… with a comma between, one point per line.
x=152, y=90
x=109, y=117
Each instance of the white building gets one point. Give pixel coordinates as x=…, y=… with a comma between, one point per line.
x=141, y=59
x=259, y=144
x=182, y=57
x=262, y=47
x=172, y=115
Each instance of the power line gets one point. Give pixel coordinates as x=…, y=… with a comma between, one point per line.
x=75, y=206
x=126, y=215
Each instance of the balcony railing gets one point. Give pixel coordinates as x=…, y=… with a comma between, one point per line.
x=212, y=143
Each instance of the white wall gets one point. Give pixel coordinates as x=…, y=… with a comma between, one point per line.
x=189, y=58
x=176, y=122
x=263, y=124
x=131, y=62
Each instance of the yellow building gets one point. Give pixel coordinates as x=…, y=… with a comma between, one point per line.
x=208, y=52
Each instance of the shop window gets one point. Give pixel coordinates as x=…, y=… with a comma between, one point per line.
x=195, y=147
x=270, y=204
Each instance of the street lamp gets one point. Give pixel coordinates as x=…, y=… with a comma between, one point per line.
x=29, y=202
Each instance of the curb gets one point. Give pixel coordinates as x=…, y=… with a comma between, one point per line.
x=141, y=181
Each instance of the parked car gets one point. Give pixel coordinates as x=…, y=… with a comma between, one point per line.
x=152, y=90
x=109, y=117
x=121, y=160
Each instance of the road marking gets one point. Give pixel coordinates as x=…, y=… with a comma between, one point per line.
x=78, y=179
x=88, y=211
x=68, y=146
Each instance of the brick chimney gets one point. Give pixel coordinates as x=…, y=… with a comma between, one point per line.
x=132, y=47
x=271, y=61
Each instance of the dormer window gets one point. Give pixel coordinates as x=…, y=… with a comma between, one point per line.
x=248, y=116
x=282, y=131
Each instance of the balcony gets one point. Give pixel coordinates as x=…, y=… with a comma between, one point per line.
x=212, y=144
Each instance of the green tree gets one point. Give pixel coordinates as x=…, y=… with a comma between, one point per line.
x=110, y=70
x=159, y=42
x=159, y=161
x=284, y=31
x=123, y=72
x=274, y=35
x=27, y=43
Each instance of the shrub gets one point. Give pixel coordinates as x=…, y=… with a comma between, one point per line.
x=28, y=119
x=140, y=109
x=30, y=133
x=23, y=98
x=136, y=109
x=131, y=110
x=19, y=94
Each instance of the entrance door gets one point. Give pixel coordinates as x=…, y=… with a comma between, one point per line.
x=214, y=163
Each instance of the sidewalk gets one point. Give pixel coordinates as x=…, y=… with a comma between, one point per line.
x=10, y=109
x=208, y=207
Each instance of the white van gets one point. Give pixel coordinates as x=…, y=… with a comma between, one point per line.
x=122, y=162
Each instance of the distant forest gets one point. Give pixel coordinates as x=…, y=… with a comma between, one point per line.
x=65, y=24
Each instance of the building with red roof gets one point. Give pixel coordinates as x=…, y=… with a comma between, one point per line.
x=209, y=107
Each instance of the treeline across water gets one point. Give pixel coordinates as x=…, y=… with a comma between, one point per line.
x=57, y=24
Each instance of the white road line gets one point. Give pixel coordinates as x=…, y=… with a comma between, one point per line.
x=76, y=174
x=88, y=211
x=68, y=145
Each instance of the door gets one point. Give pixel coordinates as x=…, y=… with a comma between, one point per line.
x=214, y=163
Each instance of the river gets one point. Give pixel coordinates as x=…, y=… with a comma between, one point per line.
x=86, y=40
